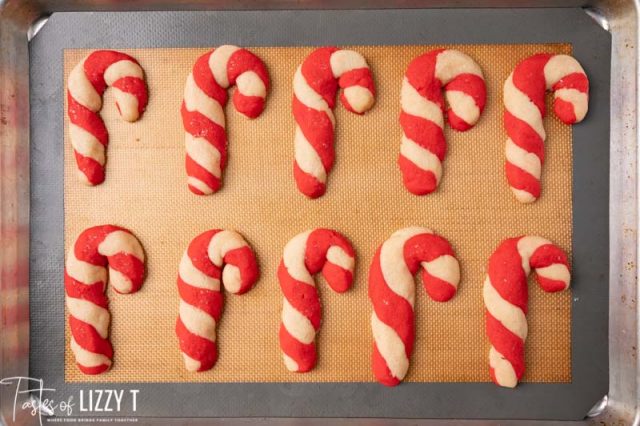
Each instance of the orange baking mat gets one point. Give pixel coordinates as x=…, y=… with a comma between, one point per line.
x=145, y=190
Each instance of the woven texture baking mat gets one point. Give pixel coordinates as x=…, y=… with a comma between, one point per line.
x=145, y=191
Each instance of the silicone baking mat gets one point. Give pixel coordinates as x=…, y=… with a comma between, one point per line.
x=145, y=191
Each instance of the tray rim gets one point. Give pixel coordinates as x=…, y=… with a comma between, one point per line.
x=405, y=27
x=620, y=18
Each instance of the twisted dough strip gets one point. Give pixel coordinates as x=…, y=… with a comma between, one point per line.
x=212, y=256
x=205, y=95
x=305, y=255
x=524, y=93
x=505, y=298
x=315, y=85
x=85, y=281
x=392, y=293
x=86, y=84
x=423, y=146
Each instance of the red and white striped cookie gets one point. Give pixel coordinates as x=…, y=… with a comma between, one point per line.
x=524, y=101
x=505, y=297
x=85, y=281
x=392, y=293
x=203, y=118
x=315, y=85
x=423, y=146
x=211, y=257
x=86, y=84
x=305, y=255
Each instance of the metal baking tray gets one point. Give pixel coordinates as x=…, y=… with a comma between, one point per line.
x=20, y=21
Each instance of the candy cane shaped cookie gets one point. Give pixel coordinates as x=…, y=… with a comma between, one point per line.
x=211, y=257
x=85, y=279
x=315, y=85
x=524, y=101
x=203, y=118
x=392, y=293
x=505, y=298
x=423, y=146
x=305, y=255
x=86, y=84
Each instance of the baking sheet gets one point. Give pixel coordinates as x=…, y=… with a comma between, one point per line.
x=402, y=405
x=145, y=191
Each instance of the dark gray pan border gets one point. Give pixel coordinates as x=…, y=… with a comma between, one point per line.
x=592, y=47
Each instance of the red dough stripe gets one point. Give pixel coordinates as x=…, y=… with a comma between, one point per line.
x=421, y=74
x=92, y=292
x=211, y=302
x=304, y=354
x=393, y=318
x=525, y=137
x=521, y=180
x=92, y=170
x=130, y=266
x=318, y=130
x=565, y=111
x=83, y=117
x=206, y=82
x=318, y=244
x=201, y=301
x=506, y=343
x=425, y=133
x=87, y=337
x=303, y=297
x=196, y=347
x=576, y=80
x=548, y=255
x=381, y=370
x=304, y=256
x=472, y=85
x=97, y=63
x=136, y=87
x=416, y=180
x=316, y=69
x=244, y=259
x=506, y=274
x=87, y=81
x=94, y=250
x=200, y=126
x=505, y=296
x=196, y=170
x=390, y=308
x=528, y=77
x=198, y=252
x=307, y=183
x=425, y=248
x=357, y=77
x=241, y=61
